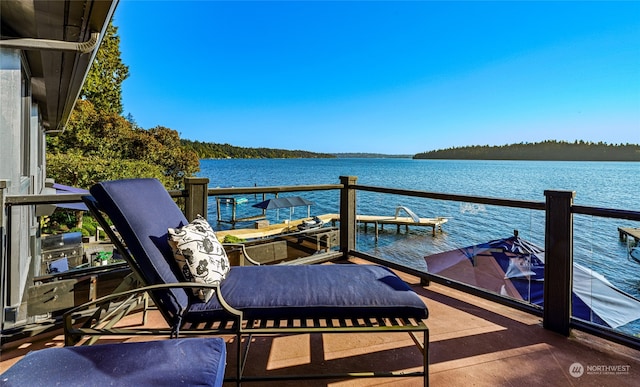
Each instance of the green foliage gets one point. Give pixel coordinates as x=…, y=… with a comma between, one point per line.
x=99, y=145
x=67, y=221
x=84, y=171
x=78, y=229
x=546, y=150
x=233, y=239
x=206, y=150
x=59, y=221
x=90, y=227
x=103, y=86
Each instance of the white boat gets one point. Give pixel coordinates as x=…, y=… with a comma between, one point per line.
x=310, y=224
x=233, y=200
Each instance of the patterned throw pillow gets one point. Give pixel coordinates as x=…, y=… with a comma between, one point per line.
x=199, y=254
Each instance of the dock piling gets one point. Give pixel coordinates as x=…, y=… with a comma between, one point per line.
x=627, y=232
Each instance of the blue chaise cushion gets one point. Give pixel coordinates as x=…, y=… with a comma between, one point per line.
x=179, y=362
x=313, y=291
x=142, y=211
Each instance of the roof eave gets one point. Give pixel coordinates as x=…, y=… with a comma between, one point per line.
x=57, y=75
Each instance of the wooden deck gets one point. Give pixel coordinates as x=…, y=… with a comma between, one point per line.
x=474, y=342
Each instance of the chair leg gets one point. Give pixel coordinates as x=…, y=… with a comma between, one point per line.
x=145, y=308
x=242, y=356
x=238, y=358
x=424, y=349
x=246, y=353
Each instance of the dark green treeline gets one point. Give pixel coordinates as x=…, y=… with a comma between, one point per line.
x=546, y=150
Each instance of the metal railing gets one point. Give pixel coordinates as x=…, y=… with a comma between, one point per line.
x=558, y=208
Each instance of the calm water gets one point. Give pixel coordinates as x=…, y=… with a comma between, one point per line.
x=597, y=184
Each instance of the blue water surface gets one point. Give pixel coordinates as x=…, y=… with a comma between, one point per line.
x=596, y=184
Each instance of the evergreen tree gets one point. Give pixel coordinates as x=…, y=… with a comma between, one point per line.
x=99, y=144
x=103, y=86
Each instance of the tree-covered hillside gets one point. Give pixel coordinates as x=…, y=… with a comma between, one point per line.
x=207, y=150
x=99, y=144
x=546, y=150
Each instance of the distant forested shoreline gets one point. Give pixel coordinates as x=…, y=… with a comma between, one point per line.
x=546, y=150
x=360, y=155
x=208, y=150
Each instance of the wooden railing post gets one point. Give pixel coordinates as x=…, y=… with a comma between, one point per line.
x=558, y=270
x=197, y=200
x=347, y=215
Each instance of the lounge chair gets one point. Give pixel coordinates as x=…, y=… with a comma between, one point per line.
x=181, y=362
x=265, y=300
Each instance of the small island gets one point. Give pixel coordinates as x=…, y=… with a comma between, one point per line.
x=547, y=150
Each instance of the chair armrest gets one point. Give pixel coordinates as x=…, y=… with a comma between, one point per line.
x=245, y=255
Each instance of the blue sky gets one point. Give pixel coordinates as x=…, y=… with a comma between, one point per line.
x=383, y=77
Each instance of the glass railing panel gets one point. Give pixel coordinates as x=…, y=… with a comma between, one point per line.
x=291, y=232
x=477, y=245
x=241, y=211
x=606, y=275
x=71, y=240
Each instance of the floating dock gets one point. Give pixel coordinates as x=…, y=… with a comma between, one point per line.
x=281, y=228
x=628, y=232
x=434, y=223
x=410, y=220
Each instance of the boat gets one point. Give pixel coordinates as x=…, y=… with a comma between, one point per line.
x=232, y=200
x=310, y=224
